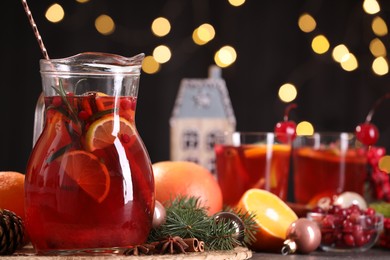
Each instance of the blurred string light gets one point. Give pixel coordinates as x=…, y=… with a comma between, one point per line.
x=161, y=26
x=162, y=54
x=341, y=54
x=347, y=60
x=225, y=56
x=384, y=163
x=379, y=26
x=150, y=65
x=55, y=13
x=304, y=128
x=320, y=44
x=203, y=34
x=236, y=2
x=377, y=48
x=371, y=6
x=287, y=92
x=104, y=24
x=380, y=66
x=307, y=23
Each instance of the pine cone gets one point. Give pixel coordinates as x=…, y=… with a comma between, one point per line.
x=11, y=232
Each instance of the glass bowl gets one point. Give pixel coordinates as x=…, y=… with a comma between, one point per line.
x=348, y=232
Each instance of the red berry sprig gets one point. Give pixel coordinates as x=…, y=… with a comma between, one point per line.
x=286, y=129
x=366, y=132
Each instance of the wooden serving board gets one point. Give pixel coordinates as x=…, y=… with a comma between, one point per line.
x=239, y=253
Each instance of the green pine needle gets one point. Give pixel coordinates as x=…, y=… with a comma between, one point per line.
x=186, y=218
x=249, y=223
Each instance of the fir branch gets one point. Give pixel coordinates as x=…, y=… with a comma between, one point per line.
x=186, y=218
x=249, y=223
x=222, y=236
x=61, y=91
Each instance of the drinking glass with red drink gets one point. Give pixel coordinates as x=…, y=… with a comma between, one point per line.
x=247, y=160
x=327, y=164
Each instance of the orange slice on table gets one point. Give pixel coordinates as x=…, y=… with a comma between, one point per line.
x=104, y=131
x=272, y=216
x=88, y=172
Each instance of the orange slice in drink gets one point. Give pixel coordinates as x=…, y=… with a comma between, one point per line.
x=272, y=216
x=261, y=150
x=88, y=172
x=104, y=131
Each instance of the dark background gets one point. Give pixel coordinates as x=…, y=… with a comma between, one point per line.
x=271, y=51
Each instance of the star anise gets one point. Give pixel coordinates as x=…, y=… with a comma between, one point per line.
x=171, y=245
x=145, y=249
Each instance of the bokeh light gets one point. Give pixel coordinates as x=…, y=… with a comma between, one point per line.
x=384, y=163
x=320, y=44
x=236, y=2
x=225, y=56
x=287, y=92
x=150, y=65
x=339, y=52
x=379, y=26
x=161, y=26
x=349, y=62
x=104, y=24
x=380, y=66
x=55, y=13
x=371, y=6
x=306, y=23
x=377, y=48
x=203, y=34
x=162, y=54
x=304, y=128
x=82, y=1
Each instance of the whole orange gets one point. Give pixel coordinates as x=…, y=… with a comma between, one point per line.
x=12, y=192
x=181, y=178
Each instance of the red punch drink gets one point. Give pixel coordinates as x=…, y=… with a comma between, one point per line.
x=325, y=167
x=89, y=185
x=256, y=162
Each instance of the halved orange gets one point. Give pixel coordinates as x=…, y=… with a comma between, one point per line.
x=88, y=172
x=272, y=216
x=104, y=131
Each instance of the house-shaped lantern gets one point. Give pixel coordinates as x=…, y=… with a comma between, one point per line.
x=201, y=113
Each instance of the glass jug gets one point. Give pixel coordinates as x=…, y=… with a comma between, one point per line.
x=89, y=183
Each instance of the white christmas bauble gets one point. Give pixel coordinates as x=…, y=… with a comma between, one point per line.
x=349, y=198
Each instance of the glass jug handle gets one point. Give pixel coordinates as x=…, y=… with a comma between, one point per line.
x=39, y=118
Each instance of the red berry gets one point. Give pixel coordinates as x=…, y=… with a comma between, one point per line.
x=367, y=133
x=57, y=101
x=83, y=115
x=126, y=104
x=125, y=138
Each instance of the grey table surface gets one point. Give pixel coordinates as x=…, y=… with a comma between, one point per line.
x=375, y=253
